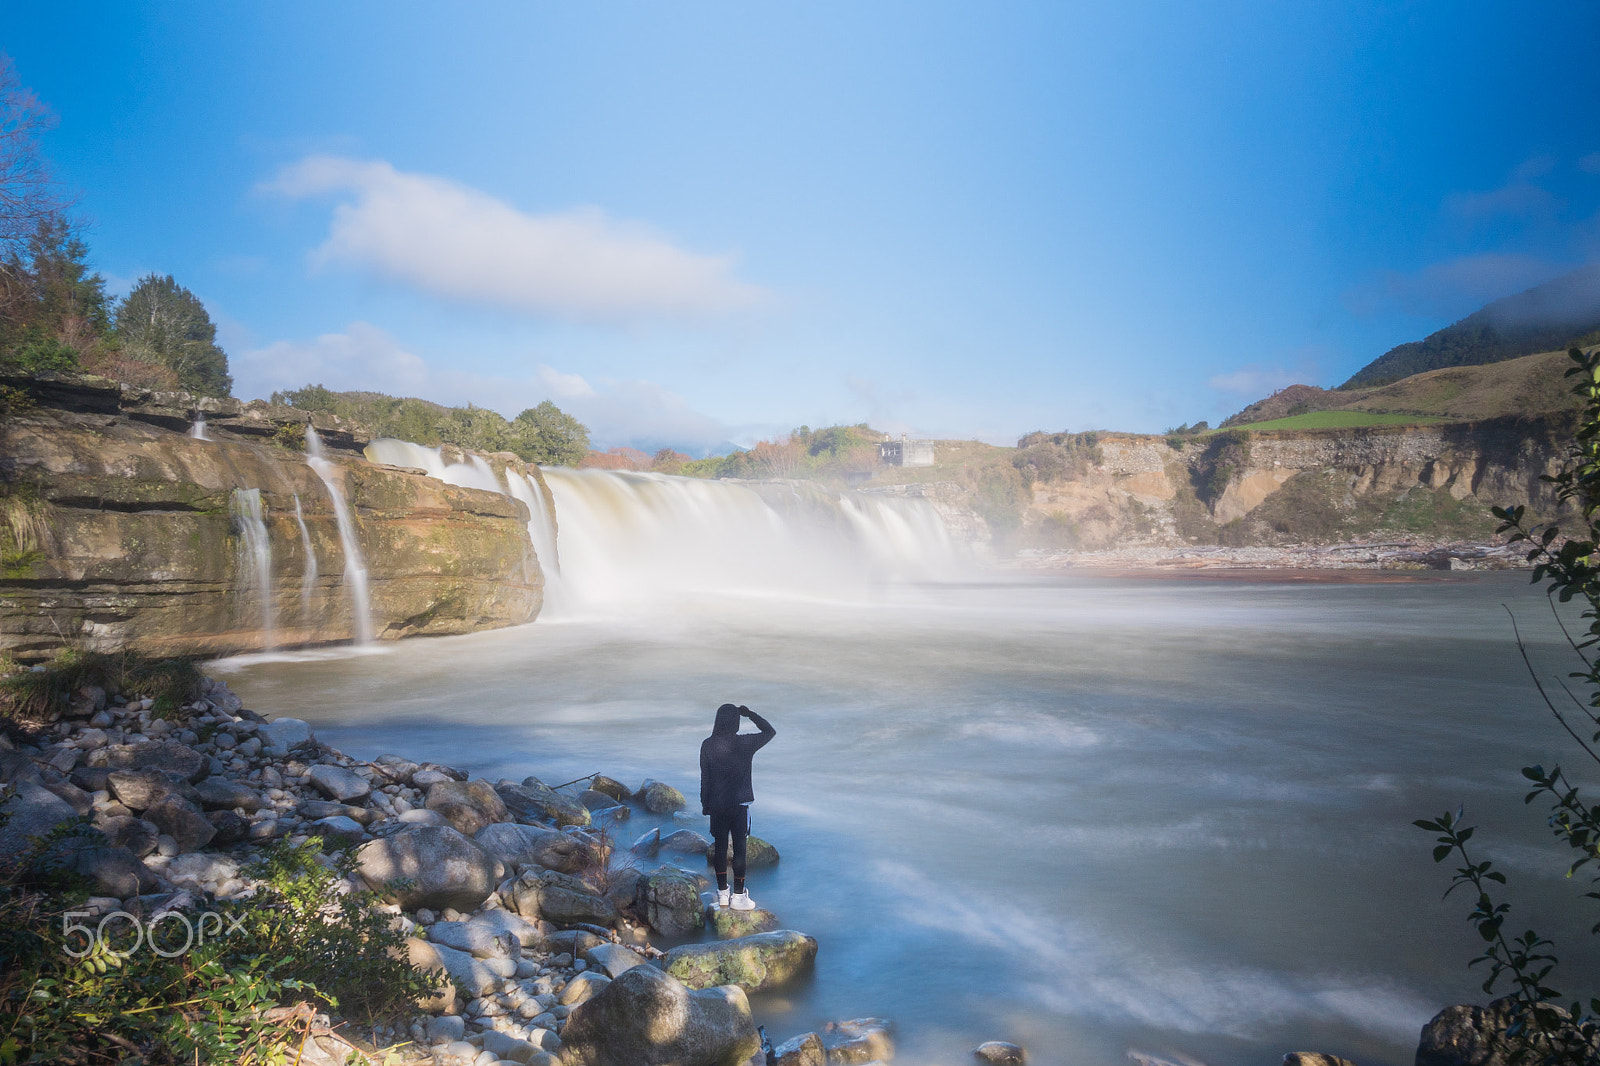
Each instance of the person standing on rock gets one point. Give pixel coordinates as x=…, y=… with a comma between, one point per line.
x=726, y=794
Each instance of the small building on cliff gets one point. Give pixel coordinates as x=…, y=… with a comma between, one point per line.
x=906, y=452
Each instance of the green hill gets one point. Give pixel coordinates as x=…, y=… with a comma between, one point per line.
x=1548, y=317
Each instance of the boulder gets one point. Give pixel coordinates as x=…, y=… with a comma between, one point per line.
x=669, y=901
x=686, y=842
x=425, y=957
x=535, y=803
x=135, y=834
x=231, y=828
x=421, y=816
x=649, y=842
x=193, y=871
x=282, y=735
x=646, y=1018
x=611, y=787
x=613, y=960
x=339, y=784
x=15, y=766
x=803, y=1050
x=728, y=923
x=757, y=852
x=445, y=868
x=500, y=922
x=860, y=1040
x=183, y=821
x=1001, y=1053
x=116, y=871
x=165, y=755
x=395, y=768
x=141, y=789
x=583, y=987
x=572, y=942
x=1293, y=1058
x=479, y=941
x=225, y=794
x=425, y=779
x=560, y=898
x=467, y=805
x=765, y=960
x=315, y=809
x=596, y=800
x=532, y=845
x=661, y=798
x=475, y=976
x=79, y=800
x=337, y=832
x=1469, y=1036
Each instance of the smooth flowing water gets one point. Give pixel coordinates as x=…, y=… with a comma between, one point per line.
x=1086, y=815
x=255, y=559
x=355, y=563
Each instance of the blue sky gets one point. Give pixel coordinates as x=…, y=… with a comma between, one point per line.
x=696, y=222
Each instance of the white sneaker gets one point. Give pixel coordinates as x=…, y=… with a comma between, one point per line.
x=722, y=897
x=742, y=902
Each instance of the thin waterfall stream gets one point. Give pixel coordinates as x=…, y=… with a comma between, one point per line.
x=255, y=550
x=355, y=564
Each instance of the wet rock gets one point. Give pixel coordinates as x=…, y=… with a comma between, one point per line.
x=1001, y=1053
x=765, y=960
x=535, y=803
x=339, y=784
x=728, y=923
x=315, y=809
x=661, y=798
x=860, y=1040
x=646, y=1018
x=225, y=794
x=141, y=789
x=757, y=852
x=165, y=755
x=530, y=845
x=669, y=901
x=467, y=805
x=282, y=735
x=803, y=1050
x=181, y=820
x=612, y=959
x=596, y=800
x=445, y=868
x=649, y=843
x=560, y=898
x=611, y=787
x=685, y=842
x=135, y=834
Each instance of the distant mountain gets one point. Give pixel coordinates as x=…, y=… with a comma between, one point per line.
x=1549, y=317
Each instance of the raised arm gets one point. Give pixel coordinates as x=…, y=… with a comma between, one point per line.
x=767, y=732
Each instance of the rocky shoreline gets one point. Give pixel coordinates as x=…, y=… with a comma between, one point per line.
x=517, y=892
x=1394, y=556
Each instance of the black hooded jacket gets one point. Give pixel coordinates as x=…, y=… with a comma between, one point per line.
x=725, y=759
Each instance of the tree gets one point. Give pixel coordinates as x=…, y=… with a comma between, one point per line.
x=1540, y=1029
x=549, y=436
x=162, y=322
x=27, y=195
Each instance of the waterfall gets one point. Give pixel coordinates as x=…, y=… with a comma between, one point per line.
x=355, y=565
x=255, y=556
x=308, y=580
x=198, y=429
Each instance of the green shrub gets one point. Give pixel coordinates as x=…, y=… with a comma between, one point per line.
x=42, y=695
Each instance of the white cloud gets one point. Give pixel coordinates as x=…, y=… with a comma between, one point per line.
x=564, y=385
x=362, y=357
x=457, y=242
x=1257, y=380
x=1452, y=288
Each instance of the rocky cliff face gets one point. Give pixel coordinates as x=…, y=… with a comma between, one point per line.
x=1309, y=486
x=141, y=547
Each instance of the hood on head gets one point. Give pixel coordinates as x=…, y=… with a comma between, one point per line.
x=727, y=720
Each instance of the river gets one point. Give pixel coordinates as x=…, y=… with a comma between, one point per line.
x=1087, y=815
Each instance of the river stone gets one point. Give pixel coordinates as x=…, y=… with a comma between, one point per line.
x=535, y=803
x=231, y=828
x=116, y=871
x=135, y=834
x=1293, y=1058
x=88, y=778
x=467, y=805
x=337, y=831
x=140, y=789
x=560, y=898
x=445, y=868
x=532, y=845
x=425, y=957
x=583, y=987
x=282, y=735
x=613, y=960
x=859, y=1040
x=339, y=784
x=804, y=1050
x=646, y=1018
x=669, y=901
x=1469, y=1035
x=596, y=800
x=757, y=852
x=611, y=787
x=498, y=922
x=649, y=842
x=315, y=809
x=395, y=768
x=475, y=976
x=165, y=755
x=181, y=820
x=686, y=842
x=661, y=798
x=765, y=960
x=225, y=794
x=572, y=942
x=422, y=816
x=79, y=800
x=476, y=940
x=426, y=779
x=730, y=924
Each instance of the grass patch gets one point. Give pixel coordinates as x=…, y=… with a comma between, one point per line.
x=44, y=695
x=1343, y=420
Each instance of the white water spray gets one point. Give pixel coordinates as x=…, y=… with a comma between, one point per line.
x=355, y=564
x=308, y=580
x=255, y=556
x=198, y=429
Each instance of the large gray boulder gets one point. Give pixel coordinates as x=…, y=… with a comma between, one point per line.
x=803, y=1050
x=757, y=852
x=860, y=1040
x=282, y=735
x=182, y=821
x=1470, y=1036
x=125, y=831
x=646, y=1018
x=445, y=868
x=659, y=797
x=315, y=809
x=728, y=923
x=225, y=794
x=560, y=898
x=339, y=784
x=138, y=790
x=532, y=845
x=467, y=805
x=116, y=871
x=165, y=755
x=613, y=960
x=533, y=802
x=765, y=960
x=669, y=901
